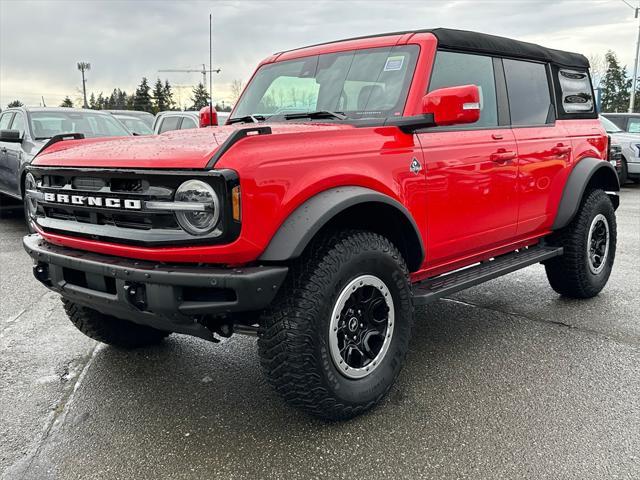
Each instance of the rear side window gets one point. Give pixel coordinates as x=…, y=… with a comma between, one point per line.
x=529, y=95
x=576, y=91
x=169, y=123
x=452, y=69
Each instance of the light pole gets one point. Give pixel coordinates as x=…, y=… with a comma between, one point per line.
x=84, y=66
x=634, y=79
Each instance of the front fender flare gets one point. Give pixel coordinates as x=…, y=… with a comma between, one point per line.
x=303, y=224
x=577, y=183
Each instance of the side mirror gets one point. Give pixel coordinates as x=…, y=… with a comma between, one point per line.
x=12, y=136
x=208, y=117
x=453, y=105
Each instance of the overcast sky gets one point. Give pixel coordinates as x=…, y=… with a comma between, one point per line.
x=41, y=41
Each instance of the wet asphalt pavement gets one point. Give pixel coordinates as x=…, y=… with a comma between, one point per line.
x=505, y=380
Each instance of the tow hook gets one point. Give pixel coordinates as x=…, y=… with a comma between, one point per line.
x=41, y=272
x=136, y=295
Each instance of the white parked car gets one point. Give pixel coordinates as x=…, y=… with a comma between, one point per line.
x=172, y=120
x=630, y=146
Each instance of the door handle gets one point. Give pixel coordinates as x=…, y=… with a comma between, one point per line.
x=561, y=150
x=502, y=156
x=497, y=136
x=3, y=150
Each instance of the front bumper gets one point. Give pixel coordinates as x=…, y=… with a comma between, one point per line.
x=171, y=298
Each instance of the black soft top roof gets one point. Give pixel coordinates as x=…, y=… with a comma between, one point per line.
x=491, y=44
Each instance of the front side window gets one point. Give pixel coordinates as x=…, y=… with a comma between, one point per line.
x=576, y=91
x=634, y=125
x=5, y=119
x=367, y=83
x=47, y=124
x=528, y=89
x=453, y=69
x=18, y=122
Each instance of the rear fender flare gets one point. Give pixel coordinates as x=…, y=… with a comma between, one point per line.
x=583, y=173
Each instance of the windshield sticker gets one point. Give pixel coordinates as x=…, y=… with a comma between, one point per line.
x=393, y=64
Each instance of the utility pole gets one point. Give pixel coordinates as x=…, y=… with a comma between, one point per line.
x=634, y=81
x=210, y=67
x=84, y=66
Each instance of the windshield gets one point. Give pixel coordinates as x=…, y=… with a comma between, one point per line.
x=609, y=126
x=135, y=125
x=366, y=83
x=47, y=124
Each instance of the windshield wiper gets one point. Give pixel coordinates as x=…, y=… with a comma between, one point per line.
x=246, y=119
x=318, y=114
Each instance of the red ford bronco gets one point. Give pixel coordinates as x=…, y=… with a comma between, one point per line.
x=354, y=181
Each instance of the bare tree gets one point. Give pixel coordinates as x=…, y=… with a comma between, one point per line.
x=598, y=69
x=236, y=90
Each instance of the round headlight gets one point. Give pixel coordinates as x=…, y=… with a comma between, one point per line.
x=31, y=203
x=198, y=222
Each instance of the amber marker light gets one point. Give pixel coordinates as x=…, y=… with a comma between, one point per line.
x=235, y=203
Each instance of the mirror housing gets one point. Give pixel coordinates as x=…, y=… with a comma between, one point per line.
x=453, y=105
x=208, y=117
x=12, y=136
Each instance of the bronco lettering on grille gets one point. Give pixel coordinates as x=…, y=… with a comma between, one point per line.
x=92, y=201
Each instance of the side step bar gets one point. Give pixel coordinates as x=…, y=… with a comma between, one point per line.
x=434, y=288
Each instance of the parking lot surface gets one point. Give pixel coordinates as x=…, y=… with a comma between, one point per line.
x=505, y=380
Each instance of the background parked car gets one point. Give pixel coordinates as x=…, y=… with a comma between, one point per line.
x=135, y=125
x=629, y=122
x=24, y=131
x=146, y=117
x=630, y=145
x=172, y=120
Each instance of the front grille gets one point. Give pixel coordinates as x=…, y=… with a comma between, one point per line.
x=127, y=221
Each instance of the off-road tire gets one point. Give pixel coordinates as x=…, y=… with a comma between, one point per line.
x=111, y=330
x=569, y=274
x=294, y=339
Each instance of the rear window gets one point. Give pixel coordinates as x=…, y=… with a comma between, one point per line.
x=576, y=91
x=529, y=95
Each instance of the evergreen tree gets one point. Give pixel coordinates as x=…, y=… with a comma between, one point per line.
x=158, y=97
x=142, y=100
x=15, y=103
x=67, y=102
x=130, y=102
x=122, y=100
x=200, y=97
x=168, y=96
x=92, y=102
x=101, y=103
x=615, y=86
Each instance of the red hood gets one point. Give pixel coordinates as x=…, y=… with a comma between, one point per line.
x=172, y=150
